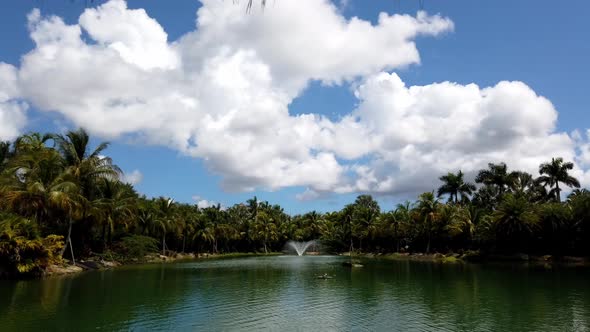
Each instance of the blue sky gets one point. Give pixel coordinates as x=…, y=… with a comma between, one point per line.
x=543, y=44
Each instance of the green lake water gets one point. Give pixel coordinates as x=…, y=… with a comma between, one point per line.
x=282, y=293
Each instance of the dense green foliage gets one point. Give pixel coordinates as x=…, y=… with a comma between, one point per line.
x=57, y=193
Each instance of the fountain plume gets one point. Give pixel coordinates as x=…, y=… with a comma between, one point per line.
x=300, y=247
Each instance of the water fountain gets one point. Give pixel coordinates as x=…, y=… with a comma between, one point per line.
x=300, y=247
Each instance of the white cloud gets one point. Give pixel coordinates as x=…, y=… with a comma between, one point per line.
x=12, y=111
x=310, y=40
x=203, y=203
x=308, y=195
x=133, y=178
x=425, y=131
x=222, y=93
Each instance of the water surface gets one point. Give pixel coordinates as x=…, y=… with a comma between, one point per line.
x=283, y=293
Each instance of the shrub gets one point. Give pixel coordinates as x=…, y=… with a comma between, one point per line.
x=22, y=256
x=22, y=251
x=136, y=246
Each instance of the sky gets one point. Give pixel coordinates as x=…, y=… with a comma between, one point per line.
x=306, y=103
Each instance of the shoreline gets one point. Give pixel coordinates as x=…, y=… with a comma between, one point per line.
x=477, y=258
x=97, y=263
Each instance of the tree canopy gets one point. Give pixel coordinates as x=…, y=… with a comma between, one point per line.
x=62, y=191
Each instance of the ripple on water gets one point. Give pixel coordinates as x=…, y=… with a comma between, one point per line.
x=283, y=293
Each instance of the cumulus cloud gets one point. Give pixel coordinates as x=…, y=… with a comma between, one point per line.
x=222, y=93
x=133, y=178
x=425, y=131
x=203, y=203
x=12, y=111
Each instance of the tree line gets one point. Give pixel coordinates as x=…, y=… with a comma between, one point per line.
x=60, y=197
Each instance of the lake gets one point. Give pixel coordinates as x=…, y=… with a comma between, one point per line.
x=283, y=293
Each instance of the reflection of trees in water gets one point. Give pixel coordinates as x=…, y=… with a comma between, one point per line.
x=97, y=299
x=382, y=295
x=468, y=297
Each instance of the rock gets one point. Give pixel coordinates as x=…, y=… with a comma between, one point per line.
x=109, y=264
x=352, y=264
x=572, y=259
x=472, y=256
x=62, y=270
x=89, y=265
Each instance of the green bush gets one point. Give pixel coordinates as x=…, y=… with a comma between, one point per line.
x=22, y=251
x=22, y=256
x=136, y=246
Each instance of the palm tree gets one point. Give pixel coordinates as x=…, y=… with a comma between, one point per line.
x=214, y=216
x=514, y=220
x=163, y=221
x=554, y=172
x=427, y=208
x=365, y=213
x=497, y=175
x=37, y=200
x=84, y=166
x=454, y=185
x=116, y=205
x=202, y=231
x=525, y=185
x=265, y=229
x=31, y=142
x=87, y=166
x=35, y=186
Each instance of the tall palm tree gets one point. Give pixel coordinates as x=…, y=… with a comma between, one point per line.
x=164, y=219
x=554, y=172
x=454, y=185
x=365, y=213
x=428, y=210
x=86, y=167
x=497, y=175
x=35, y=188
x=202, y=231
x=525, y=185
x=265, y=229
x=116, y=206
x=514, y=220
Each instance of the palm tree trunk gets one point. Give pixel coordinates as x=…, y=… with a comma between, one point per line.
x=396, y=239
x=557, y=192
x=72, y=252
x=110, y=235
x=428, y=243
x=69, y=242
x=104, y=235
